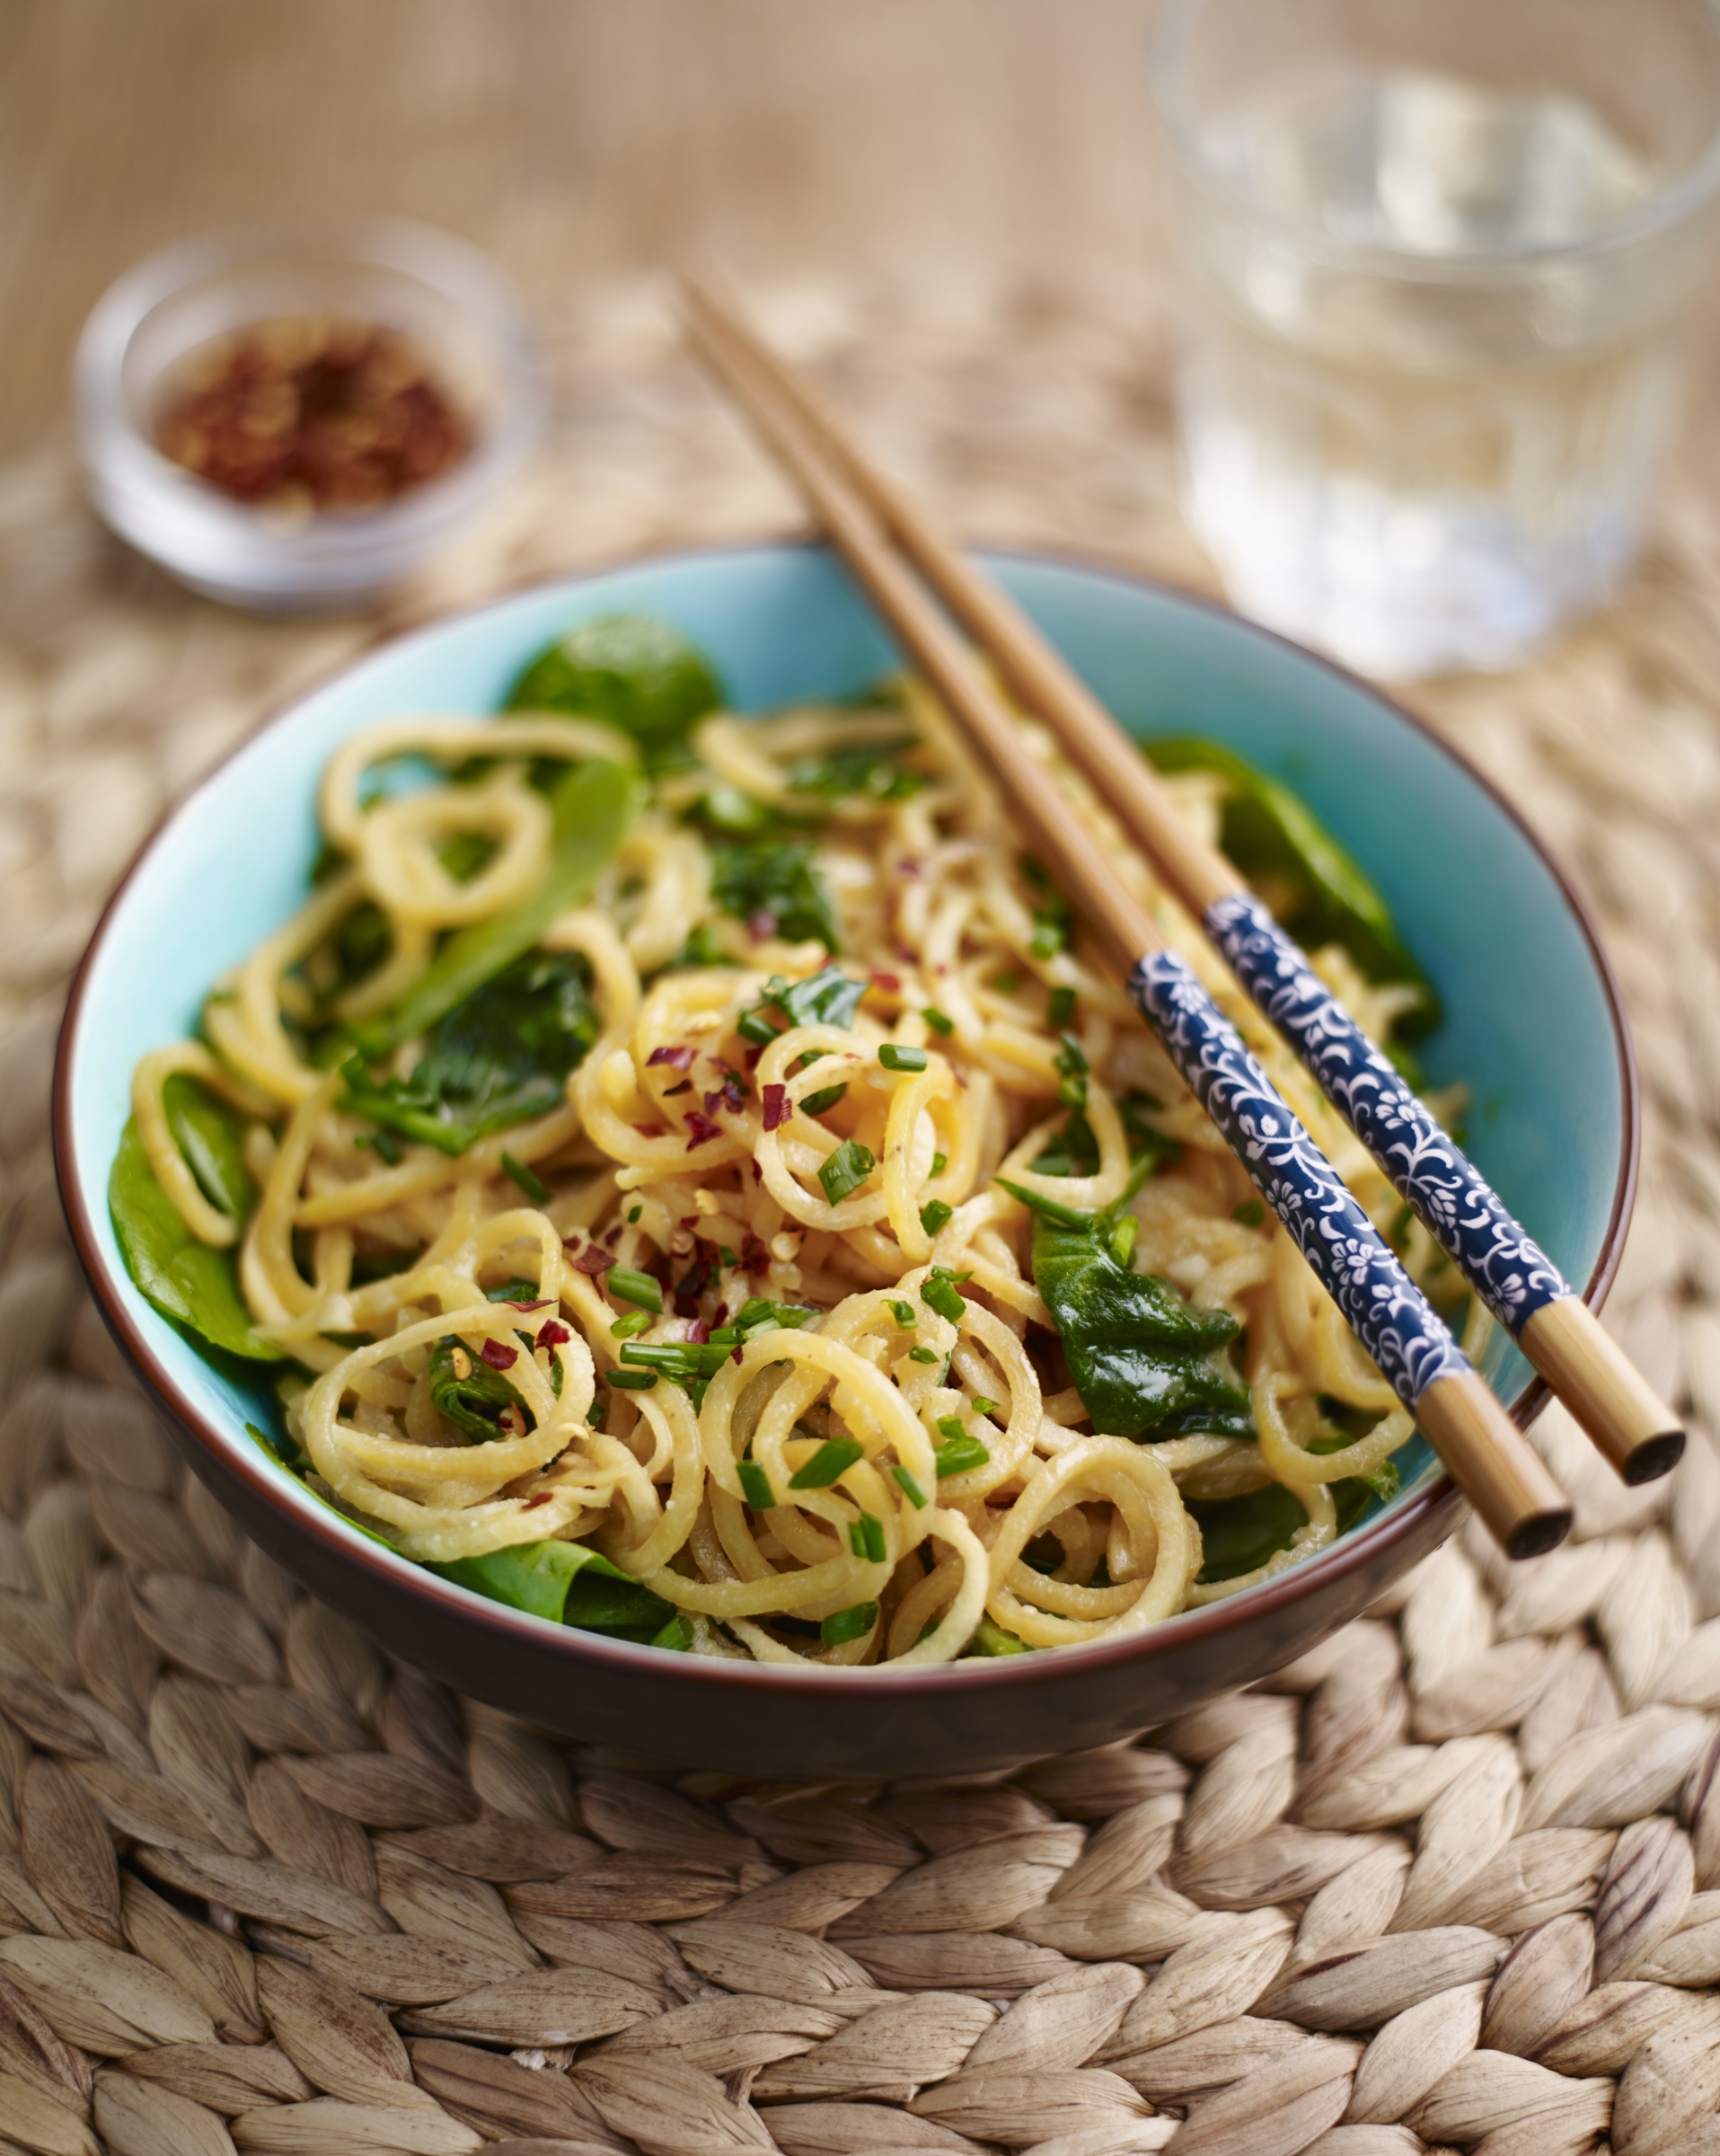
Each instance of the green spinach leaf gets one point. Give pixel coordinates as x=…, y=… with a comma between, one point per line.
x=495, y=1059
x=197, y=1286
x=629, y=668
x=1319, y=892
x=593, y=806
x=1074, y=1150
x=875, y=769
x=1137, y=1351
x=1239, y=1533
x=567, y=1583
x=476, y=1402
x=775, y=880
x=211, y=1136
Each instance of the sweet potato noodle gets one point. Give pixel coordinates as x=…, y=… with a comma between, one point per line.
x=896, y=1449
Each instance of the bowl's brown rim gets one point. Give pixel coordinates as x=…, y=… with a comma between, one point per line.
x=1349, y=1554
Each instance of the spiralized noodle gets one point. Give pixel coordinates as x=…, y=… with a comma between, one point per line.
x=687, y=1150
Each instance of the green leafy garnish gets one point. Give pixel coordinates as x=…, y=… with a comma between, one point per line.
x=631, y=669
x=211, y=1136
x=568, y=1584
x=1136, y=1350
x=628, y=1285
x=941, y=1292
x=755, y=1485
x=990, y=1639
x=1060, y=1007
x=866, y=1538
x=499, y=1058
x=846, y=1170
x=934, y=1212
x=832, y=1458
x=1075, y=1151
x=1239, y=1534
x=778, y=881
x=1250, y=1212
x=938, y=1020
x=903, y=1312
x=873, y=769
x=825, y=998
x=923, y=1354
x=1317, y=891
x=631, y=1381
x=591, y=807
x=849, y=1624
x=911, y=1490
x=197, y=1286
x=893, y=1057
x=960, y=1452
x=533, y=1186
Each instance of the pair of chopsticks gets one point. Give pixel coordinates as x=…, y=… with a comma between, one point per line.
x=878, y=530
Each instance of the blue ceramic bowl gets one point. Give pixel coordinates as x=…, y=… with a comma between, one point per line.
x=1533, y=1025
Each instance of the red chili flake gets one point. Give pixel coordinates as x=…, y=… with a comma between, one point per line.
x=909, y=864
x=700, y=1130
x=735, y=1354
x=777, y=1110
x=713, y=1102
x=542, y=1303
x=761, y=924
x=698, y=1332
x=497, y=1355
x=318, y=415
x=685, y=1086
x=553, y=1333
x=542, y=1497
x=753, y=1056
x=688, y=1220
x=648, y=1130
x=594, y=1260
x=758, y=1171
x=754, y=1255
x=888, y=982
x=613, y=1236
x=680, y=1059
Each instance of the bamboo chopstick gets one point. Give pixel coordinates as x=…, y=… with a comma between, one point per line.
x=1629, y=1424
x=1488, y=1456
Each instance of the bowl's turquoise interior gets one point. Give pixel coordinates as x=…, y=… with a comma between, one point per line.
x=1528, y=1023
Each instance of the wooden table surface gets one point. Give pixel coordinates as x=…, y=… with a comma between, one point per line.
x=573, y=138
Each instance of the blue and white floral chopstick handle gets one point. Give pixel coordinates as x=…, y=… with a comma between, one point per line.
x=1485, y=1451
x=1508, y=1270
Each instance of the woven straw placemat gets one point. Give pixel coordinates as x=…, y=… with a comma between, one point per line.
x=1452, y=1880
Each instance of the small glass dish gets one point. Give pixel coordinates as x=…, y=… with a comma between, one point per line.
x=449, y=300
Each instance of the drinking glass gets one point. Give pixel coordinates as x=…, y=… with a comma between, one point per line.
x=1442, y=258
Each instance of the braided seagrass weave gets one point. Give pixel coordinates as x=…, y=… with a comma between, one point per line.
x=1454, y=1880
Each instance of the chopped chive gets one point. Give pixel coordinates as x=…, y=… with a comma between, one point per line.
x=960, y=1453
x=982, y=1405
x=845, y=1171
x=756, y=1485
x=1006, y=982
x=895, y=1057
x=1252, y=1211
x=387, y=1145
x=849, y=1624
x=833, y=1458
x=1123, y=1238
x=903, y=1312
x=533, y=1186
x=939, y=1021
x=633, y=1321
x=1052, y=1208
x=594, y=1414
x=631, y=1286
x=1061, y=1010
x=727, y=1254
x=632, y=1217
x=933, y=1213
x=942, y=1293
x=815, y=1104
x=633, y=1381
x=676, y=1635
x=753, y=1026
x=916, y=1495
x=866, y=1538
x=921, y=1355
x=939, y=1162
